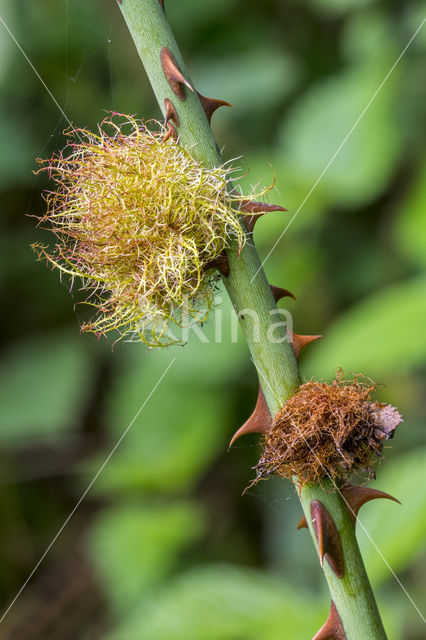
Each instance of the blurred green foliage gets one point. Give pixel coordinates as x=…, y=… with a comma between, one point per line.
x=174, y=551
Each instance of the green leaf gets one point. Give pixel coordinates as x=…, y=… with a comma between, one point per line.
x=370, y=35
x=198, y=15
x=169, y=444
x=413, y=19
x=376, y=337
x=340, y=6
x=223, y=602
x=410, y=224
x=316, y=128
x=393, y=536
x=186, y=420
x=6, y=50
x=16, y=156
x=272, y=73
x=44, y=386
x=134, y=547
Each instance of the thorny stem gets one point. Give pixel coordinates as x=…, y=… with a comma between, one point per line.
x=248, y=288
x=351, y=594
x=151, y=32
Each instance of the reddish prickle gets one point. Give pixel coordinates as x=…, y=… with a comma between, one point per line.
x=174, y=76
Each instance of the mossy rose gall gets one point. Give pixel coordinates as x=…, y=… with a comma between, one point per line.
x=327, y=431
x=140, y=222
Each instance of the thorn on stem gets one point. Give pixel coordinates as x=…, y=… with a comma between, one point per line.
x=260, y=420
x=279, y=292
x=220, y=263
x=173, y=75
x=298, y=341
x=257, y=210
x=254, y=206
x=170, y=133
x=171, y=115
x=333, y=628
x=211, y=104
x=326, y=533
x=356, y=496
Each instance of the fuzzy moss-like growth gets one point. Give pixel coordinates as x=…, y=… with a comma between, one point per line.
x=138, y=220
x=328, y=430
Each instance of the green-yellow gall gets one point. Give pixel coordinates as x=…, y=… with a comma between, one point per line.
x=138, y=220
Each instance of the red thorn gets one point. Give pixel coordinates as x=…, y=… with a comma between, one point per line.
x=220, y=263
x=355, y=496
x=303, y=524
x=258, y=209
x=298, y=341
x=333, y=628
x=171, y=114
x=174, y=76
x=211, y=104
x=161, y=2
x=254, y=206
x=279, y=293
x=260, y=420
x=326, y=533
x=250, y=221
x=170, y=133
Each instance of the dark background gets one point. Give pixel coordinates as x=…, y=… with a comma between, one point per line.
x=164, y=547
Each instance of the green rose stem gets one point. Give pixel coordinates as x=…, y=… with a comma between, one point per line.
x=249, y=289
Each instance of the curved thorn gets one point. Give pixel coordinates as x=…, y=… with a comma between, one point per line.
x=171, y=115
x=211, y=104
x=174, y=76
x=257, y=210
x=279, y=293
x=356, y=496
x=170, y=133
x=260, y=420
x=329, y=546
x=220, y=263
x=303, y=524
x=298, y=341
x=250, y=221
x=333, y=628
x=255, y=206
